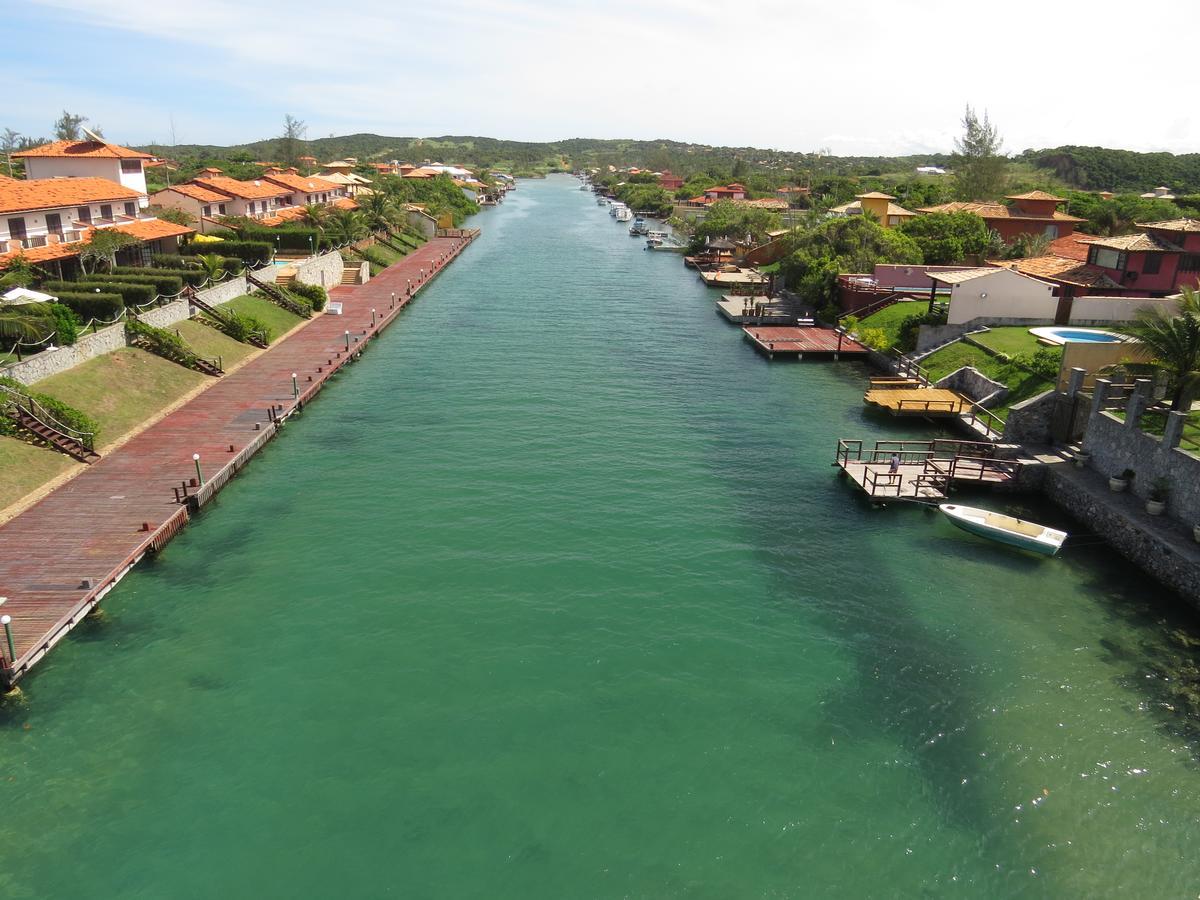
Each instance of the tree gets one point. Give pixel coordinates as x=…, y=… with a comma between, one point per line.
x=979, y=167
x=1174, y=342
x=8, y=143
x=69, y=127
x=725, y=218
x=17, y=273
x=290, y=141
x=102, y=249
x=213, y=265
x=948, y=238
x=176, y=216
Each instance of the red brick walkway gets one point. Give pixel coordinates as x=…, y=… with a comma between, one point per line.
x=59, y=557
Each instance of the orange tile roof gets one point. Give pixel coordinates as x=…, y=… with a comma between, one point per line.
x=1036, y=195
x=997, y=211
x=154, y=229
x=1069, y=247
x=291, y=214
x=82, y=150
x=56, y=193
x=1185, y=225
x=1144, y=243
x=344, y=203
x=300, y=183
x=1058, y=268
x=49, y=253
x=874, y=195
x=196, y=192
x=243, y=190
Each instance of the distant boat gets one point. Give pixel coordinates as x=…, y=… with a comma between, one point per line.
x=638, y=227
x=1005, y=529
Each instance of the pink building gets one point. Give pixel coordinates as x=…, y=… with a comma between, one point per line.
x=1160, y=260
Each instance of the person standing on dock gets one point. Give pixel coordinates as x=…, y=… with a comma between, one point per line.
x=894, y=465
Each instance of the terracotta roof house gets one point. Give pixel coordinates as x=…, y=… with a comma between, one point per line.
x=87, y=159
x=879, y=205
x=1161, y=192
x=1068, y=273
x=51, y=219
x=1158, y=261
x=670, y=182
x=1034, y=212
x=213, y=194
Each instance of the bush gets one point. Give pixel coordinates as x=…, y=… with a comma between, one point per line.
x=1043, y=362
x=294, y=238
x=66, y=324
x=240, y=327
x=906, y=338
x=251, y=252
x=875, y=338
x=51, y=318
x=134, y=294
x=103, y=307
x=194, y=277
x=65, y=414
x=161, y=342
x=165, y=284
x=314, y=294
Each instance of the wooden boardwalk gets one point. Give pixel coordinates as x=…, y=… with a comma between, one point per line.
x=803, y=341
x=61, y=556
x=924, y=471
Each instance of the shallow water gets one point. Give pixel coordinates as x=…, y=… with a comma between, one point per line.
x=555, y=594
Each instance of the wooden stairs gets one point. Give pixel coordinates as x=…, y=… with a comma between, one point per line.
x=280, y=297
x=221, y=321
x=52, y=437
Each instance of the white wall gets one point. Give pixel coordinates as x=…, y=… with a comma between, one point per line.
x=1100, y=310
x=35, y=222
x=1010, y=295
x=86, y=167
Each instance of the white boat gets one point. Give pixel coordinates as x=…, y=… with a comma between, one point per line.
x=638, y=227
x=623, y=213
x=656, y=237
x=1005, y=529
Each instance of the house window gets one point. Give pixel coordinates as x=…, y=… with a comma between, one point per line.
x=85, y=214
x=1189, y=262
x=131, y=210
x=1152, y=264
x=132, y=166
x=106, y=211
x=1051, y=231
x=221, y=209
x=206, y=211
x=1107, y=258
x=54, y=223
x=16, y=229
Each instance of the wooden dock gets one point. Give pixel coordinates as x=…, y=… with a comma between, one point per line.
x=724, y=278
x=755, y=310
x=928, y=402
x=921, y=471
x=65, y=553
x=803, y=340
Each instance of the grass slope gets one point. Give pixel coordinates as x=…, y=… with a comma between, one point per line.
x=889, y=318
x=210, y=343
x=121, y=390
x=276, y=318
x=1011, y=340
x=27, y=467
x=1021, y=384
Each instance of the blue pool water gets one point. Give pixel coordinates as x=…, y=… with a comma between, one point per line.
x=1087, y=336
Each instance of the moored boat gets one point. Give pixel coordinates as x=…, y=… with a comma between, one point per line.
x=638, y=227
x=1005, y=529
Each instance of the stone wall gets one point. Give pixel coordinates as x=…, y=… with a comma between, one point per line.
x=166, y=315
x=1117, y=445
x=225, y=291
x=324, y=270
x=1164, y=550
x=931, y=336
x=51, y=362
x=1029, y=421
x=974, y=384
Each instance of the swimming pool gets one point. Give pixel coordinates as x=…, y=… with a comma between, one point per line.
x=1078, y=335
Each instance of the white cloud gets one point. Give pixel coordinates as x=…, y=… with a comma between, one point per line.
x=860, y=76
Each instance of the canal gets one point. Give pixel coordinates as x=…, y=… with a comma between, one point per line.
x=555, y=594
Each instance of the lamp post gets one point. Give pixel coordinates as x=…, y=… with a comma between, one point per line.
x=347, y=341
x=311, y=250
x=372, y=317
x=295, y=388
x=6, y=621
x=199, y=474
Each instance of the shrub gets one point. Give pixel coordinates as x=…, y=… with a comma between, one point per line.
x=103, y=307
x=51, y=318
x=314, y=294
x=66, y=324
x=240, y=327
x=188, y=275
x=133, y=294
x=907, y=333
x=160, y=341
x=875, y=338
x=165, y=284
x=65, y=414
x=252, y=252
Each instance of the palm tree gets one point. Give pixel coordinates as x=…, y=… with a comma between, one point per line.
x=378, y=211
x=347, y=226
x=1174, y=342
x=316, y=216
x=26, y=329
x=213, y=265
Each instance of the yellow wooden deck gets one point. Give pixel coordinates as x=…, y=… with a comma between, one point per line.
x=916, y=401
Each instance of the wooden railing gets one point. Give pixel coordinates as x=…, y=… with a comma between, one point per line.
x=12, y=397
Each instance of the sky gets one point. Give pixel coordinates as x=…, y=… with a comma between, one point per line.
x=856, y=77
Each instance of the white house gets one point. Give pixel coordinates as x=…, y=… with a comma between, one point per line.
x=996, y=294
x=87, y=159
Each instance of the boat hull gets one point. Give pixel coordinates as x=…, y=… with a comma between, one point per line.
x=1005, y=529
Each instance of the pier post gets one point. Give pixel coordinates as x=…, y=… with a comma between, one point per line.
x=6, y=621
x=1173, y=431
x=1075, y=381
x=1100, y=394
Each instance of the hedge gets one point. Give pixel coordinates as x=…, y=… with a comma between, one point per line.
x=253, y=252
x=175, y=263
x=134, y=294
x=104, y=307
x=194, y=277
x=166, y=285
x=314, y=294
x=287, y=238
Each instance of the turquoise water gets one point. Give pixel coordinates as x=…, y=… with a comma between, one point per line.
x=555, y=594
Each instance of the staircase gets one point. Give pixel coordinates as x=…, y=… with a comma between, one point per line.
x=75, y=444
x=187, y=360
x=220, y=321
x=351, y=276
x=279, y=297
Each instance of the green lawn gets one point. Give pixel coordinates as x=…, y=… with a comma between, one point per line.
x=122, y=389
x=210, y=343
x=407, y=238
x=27, y=467
x=1012, y=340
x=276, y=318
x=1022, y=385
x=889, y=318
x=387, y=253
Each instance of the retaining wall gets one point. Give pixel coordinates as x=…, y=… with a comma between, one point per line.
x=1029, y=421
x=324, y=270
x=51, y=362
x=930, y=336
x=970, y=381
x=225, y=291
x=167, y=315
